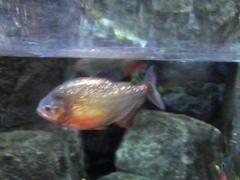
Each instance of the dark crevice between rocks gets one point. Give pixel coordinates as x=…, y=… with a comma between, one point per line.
x=99, y=147
x=223, y=125
x=222, y=122
x=229, y=123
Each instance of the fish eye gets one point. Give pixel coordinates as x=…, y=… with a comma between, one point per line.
x=47, y=108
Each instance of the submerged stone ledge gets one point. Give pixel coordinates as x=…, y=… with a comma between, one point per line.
x=170, y=146
x=39, y=155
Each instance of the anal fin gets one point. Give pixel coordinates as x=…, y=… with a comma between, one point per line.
x=101, y=128
x=126, y=123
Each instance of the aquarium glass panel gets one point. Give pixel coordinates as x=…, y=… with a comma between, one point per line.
x=157, y=29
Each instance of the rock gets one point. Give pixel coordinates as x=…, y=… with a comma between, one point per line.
x=39, y=155
x=201, y=101
x=193, y=88
x=123, y=175
x=170, y=146
x=230, y=122
x=192, y=106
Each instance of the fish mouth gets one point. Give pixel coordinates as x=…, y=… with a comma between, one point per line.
x=41, y=113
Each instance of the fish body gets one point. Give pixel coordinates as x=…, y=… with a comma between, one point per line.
x=92, y=103
x=222, y=176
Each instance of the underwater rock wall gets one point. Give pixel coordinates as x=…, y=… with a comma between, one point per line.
x=169, y=146
x=39, y=155
x=31, y=148
x=22, y=83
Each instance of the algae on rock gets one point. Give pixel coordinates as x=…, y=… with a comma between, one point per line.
x=39, y=155
x=123, y=175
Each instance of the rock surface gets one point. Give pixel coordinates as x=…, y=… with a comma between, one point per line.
x=169, y=146
x=123, y=175
x=39, y=155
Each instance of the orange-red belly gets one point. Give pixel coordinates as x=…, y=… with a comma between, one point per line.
x=87, y=120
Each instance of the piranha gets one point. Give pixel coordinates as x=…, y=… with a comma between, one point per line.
x=222, y=175
x=94, y=103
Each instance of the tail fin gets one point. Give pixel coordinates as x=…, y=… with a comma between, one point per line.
x=153, y=94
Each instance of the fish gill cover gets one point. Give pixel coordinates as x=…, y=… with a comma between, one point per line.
x=136, y=29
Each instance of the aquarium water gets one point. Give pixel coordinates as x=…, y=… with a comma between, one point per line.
x=119, y=90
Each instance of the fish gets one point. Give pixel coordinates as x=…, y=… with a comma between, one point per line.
x=89, y=103
x=113, y=69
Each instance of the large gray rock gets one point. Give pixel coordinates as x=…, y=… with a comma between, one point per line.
x=39, y=155
x=123, y=175
x=170, y=146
